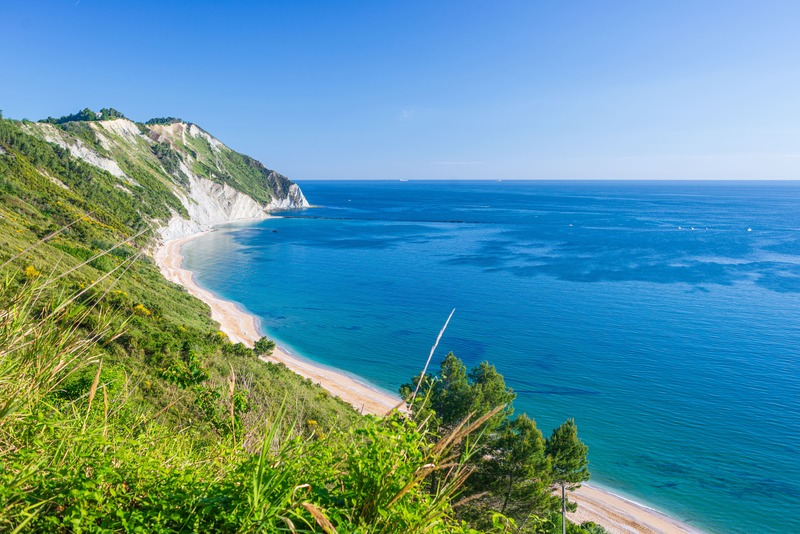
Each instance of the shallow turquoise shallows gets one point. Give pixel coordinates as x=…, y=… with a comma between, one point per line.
x=663, y=317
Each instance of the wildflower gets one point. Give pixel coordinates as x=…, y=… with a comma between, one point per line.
x=31, y=272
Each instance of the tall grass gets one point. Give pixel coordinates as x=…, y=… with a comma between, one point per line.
x=42, y=342
x=81, y=450
x=41, y=345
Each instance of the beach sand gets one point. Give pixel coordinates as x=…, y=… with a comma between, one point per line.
x=616, y=514
x=622, y=516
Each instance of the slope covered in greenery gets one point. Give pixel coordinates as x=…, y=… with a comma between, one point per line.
x=159, y=165
x=82, y=450
x=123, y=408
x=101, y=232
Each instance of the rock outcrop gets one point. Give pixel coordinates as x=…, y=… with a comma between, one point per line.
x=209, y=204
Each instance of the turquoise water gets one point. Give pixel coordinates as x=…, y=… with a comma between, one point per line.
x=646, y=311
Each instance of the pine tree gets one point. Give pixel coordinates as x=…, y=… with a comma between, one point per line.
x=452, y=394
x=567, y=455
x=516, y=471
x=264, y=347
x=569, y=465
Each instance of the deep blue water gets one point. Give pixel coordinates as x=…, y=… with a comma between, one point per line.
x=646, y=311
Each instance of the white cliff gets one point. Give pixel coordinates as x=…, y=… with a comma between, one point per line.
x=293, y=199
x=209, y=204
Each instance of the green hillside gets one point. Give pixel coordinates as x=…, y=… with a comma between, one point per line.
x=155, y=154
x=124, y=408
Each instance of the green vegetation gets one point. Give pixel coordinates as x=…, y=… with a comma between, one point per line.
x=69, y=223
x=87, y=115
x=152, y=162
x=264, y=347
x=82, y=451
x=169, y=160
x=241, y=172
x=43, y=183
x=124, y=408
x=514, y=469
x=163, y=120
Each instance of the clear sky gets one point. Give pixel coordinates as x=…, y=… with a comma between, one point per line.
x=433, y=89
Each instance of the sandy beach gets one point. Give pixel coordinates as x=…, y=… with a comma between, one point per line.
x=616, y=514
x=622, y=516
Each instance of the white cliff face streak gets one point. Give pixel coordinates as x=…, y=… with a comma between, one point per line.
x=209, y=204
x=79, y=150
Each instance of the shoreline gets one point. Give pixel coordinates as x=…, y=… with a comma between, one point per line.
x=621, y=515
x=616, y=514
x=242, y=327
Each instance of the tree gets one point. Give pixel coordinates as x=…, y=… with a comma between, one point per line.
x=264, y=347
x=489, y=390
x=515, y=468
x=452, y=394
x=567, y=456
x=110, y=113
x=512, y=476
x=163, y=120
x=451, y=397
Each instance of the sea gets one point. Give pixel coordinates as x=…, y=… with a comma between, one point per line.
x=664, y=317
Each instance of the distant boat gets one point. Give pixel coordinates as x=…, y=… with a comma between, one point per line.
x=403, y=180
x=749, y=229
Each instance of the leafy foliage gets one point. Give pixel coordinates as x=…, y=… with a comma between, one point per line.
x=567, y=455
x=87, y=115
x=264, y=347
x=167, y=157
x=453, y=394
x=163, y=120
x=515, y=468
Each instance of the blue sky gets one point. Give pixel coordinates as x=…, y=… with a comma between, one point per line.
x=431, y=90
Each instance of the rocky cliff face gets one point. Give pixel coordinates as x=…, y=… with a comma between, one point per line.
x=209, y=204
x=212, y=183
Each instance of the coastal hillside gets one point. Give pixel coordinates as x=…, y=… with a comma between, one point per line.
x=124, y=407
x=84, y=310
x=84, y=201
